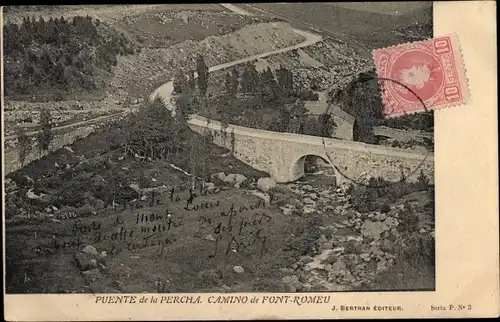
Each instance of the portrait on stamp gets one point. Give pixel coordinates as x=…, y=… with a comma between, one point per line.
x=223, y=148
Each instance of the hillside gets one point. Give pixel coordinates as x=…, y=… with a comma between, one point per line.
x=343, y=19
x=57, y=58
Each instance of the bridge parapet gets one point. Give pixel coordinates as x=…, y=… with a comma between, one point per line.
x=282, y=155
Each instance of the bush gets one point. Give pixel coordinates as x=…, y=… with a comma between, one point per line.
x=306, y=238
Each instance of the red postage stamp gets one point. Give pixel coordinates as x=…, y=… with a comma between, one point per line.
x=421, y=76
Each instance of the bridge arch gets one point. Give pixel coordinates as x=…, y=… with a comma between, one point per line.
x=299, y=167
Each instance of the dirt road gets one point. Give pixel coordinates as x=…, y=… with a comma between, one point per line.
x=165, y=90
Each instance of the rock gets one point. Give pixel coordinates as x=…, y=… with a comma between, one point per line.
x=221, y=176
x=422, y=231
x=239, y=269
x=136, y=187
x=120, y=158
x=381, y=268
x=264, y=196
x=90, y=250
x=264, y=184
x=380, y=217
x=209, y=186
x=365, y=256
x=391, y=222
x=93, y=263
x=306, y=259
x=309, y=201
x=235, y=179
x=307, y=187
x=56, y=165
x=308, y=209
x=373, y=230
x=153, y=180
x=10, y=185
x=289, y=279
x=353, y=247
x=83, y=261
x=210, y=237
x=313, y=265
x=338, y=266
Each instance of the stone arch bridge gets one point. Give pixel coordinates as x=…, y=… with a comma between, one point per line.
x=282, y=155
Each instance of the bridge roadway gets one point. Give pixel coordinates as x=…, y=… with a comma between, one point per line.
x=282, y=155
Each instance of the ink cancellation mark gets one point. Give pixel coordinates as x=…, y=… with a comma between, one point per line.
x=430, y=72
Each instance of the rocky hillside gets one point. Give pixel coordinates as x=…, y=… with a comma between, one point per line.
x=140, y=74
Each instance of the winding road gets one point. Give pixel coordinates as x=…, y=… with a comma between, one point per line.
x=165, y=91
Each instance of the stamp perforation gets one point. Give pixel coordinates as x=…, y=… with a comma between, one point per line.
x=459, y=66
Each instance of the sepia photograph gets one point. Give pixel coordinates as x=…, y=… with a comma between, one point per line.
x=222, y=148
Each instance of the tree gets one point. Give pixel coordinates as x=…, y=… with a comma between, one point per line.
x=180, y=82
x=235, y=82
x=203, y=75
x=285, y=81
x=45, y=135
x=228, y=83
x=24, y=143
x=199, y=152
x=192, y=81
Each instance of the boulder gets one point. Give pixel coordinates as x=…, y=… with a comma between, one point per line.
x=238, y=269
x=90, y=250
x=209, y=186
x=373, y=230
x=264, y=184
x=10, y=185
x=236, y=179
x=221, y=176
x=84, y=261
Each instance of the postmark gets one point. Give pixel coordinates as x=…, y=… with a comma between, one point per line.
x=431, y=71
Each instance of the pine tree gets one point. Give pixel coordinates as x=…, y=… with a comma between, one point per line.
x=203, y=75
x=45, y=135
x=228, y=83
x=235, y=82
x=180, y=82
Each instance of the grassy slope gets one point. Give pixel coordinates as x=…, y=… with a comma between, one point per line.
x=371, y=28
x=57, y=272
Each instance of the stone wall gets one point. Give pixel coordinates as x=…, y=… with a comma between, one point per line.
x=11, y=156
x=282, y=155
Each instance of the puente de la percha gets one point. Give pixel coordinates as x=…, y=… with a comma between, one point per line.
x=282, y=155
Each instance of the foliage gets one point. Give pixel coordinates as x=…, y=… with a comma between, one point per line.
x=180, y=82
x=24, y=143
x=58, y=56
x=269, y=102
x=423, y=121
x=203, y=75
x=361, y=97
x=154, y=132
x=378, y=192
x=45, y=136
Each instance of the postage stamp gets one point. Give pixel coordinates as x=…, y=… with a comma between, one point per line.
x=421, y=76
